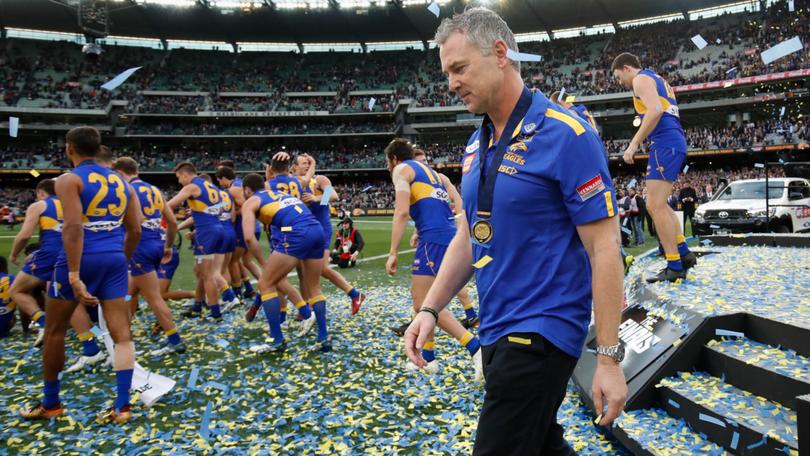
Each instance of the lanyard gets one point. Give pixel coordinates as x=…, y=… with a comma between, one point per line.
x=482, y=228
x=486, y=183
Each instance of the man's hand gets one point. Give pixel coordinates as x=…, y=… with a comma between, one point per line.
x=281, y=156
x=81, y=293
x=421, y=329
x=608, y=384
x=629, y=153
x=14, y=259
x=391, y=264
x=308, y=198
x=167, y=255
x=414, y=240
x=189, y=235
x=354, y=256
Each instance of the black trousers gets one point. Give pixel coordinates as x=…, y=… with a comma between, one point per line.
x=525, y=382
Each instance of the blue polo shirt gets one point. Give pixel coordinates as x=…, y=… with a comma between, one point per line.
x=554, y=176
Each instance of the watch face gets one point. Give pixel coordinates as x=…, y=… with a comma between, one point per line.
x=620, y=353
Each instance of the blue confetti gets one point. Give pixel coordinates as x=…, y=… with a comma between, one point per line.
x=728, y=333
x=735, y=439
x=711, y=419
x=206, y=419
x=673, y=404
x=192, y=377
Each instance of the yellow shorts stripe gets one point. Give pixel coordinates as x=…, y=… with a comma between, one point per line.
x=519, y=340
x=269, y=296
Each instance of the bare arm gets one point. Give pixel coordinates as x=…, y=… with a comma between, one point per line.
x=455, y=197
x=31, y=218
x=185, y=224
x=132, y=223
x=237, y=196
x=323, y=183
x=171, y=226
x=454, y=273
x=601, y=241
x=644, y=88
x=68, y=187
x=402, y=176
x=248, y=224
x=189, y=191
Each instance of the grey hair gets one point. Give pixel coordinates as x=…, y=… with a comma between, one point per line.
x=482, y=27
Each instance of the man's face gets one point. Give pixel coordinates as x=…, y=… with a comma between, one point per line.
x=475, y=78
x=183, y=178
x=224, y=182
x=301, y=166
x=624, y=76
x=391, y=163
x=41, y=195
x=420, y=158
x=346, y=226
x=247, y=191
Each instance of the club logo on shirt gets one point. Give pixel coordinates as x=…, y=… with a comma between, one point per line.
x=472, y=147
x=528, y=128
x=519, y=146
x=591, y=188
x=467, y=163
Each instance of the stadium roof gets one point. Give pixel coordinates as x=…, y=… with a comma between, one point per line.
x=324, y=21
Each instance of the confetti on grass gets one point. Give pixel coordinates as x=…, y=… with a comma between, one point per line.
x=357, y=399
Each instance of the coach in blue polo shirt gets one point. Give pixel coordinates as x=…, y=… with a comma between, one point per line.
x=542, y=239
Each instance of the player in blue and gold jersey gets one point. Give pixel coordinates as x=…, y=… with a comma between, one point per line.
x=299, y=239
x=226, y=219
x=313, y=190
x=100, y=232
x=581, y=110
x=46, y=213
x=421, y=193
x=654, y=101
x=7, y=304
x=240, y=264
x=154, y=249
x=204, y=200
x=280, y=181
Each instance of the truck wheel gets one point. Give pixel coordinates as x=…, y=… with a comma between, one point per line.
x=782, y=229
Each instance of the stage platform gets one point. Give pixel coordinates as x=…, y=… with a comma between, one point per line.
x=719, y=363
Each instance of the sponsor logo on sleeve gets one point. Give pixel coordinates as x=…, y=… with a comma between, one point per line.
x=591, y=188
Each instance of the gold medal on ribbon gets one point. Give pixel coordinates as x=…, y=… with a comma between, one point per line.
x=482, y=231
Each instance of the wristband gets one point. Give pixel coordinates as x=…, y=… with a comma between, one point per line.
x=73, y=277
x=430, y=311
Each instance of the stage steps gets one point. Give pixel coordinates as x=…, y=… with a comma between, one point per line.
x=741, y=398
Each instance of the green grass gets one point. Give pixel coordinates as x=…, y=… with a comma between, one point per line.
x=356, y=400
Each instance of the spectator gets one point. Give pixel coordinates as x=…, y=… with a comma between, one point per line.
x=688, y=198
x=348, y=245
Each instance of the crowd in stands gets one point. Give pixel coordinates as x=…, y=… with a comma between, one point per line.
x=57, y=74
x=306, y=126
x=786, y=130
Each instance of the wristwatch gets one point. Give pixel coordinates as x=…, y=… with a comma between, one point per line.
x=614, y=352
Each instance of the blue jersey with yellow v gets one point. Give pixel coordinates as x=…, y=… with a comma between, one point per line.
x=282, y=211
x=533, y=276
x=104, y=198
x=320, y=211
x=668, y=131
x=152, y=205
x=430, y=205
x=205, y=208
x=286, y=184
x=50, y=225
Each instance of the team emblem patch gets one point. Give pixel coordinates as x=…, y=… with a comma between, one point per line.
x=528, y=128
x=465, y=166
x=591, y=188
x=472, y=147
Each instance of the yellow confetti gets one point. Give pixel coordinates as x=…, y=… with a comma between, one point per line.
x=570, y=98
x=34, y=173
